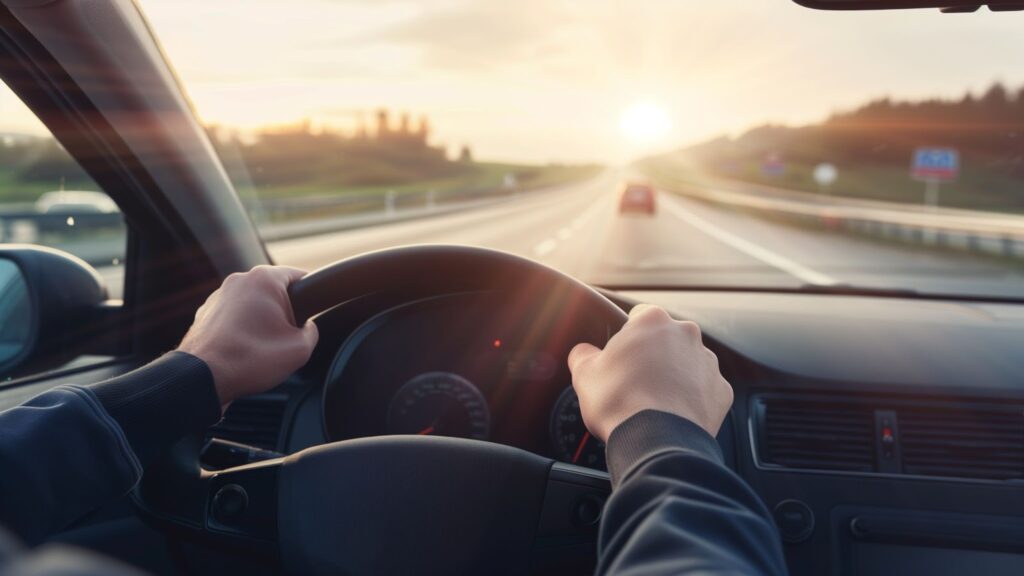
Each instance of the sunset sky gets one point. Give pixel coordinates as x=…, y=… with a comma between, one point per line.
x=542, y=80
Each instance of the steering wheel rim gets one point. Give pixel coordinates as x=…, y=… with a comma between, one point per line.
x=318, y=513
x=432, y=270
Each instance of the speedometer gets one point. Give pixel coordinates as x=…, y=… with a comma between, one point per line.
x=572, y=442
x=439, y=404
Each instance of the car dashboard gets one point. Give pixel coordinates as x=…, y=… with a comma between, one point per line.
x=884, y=435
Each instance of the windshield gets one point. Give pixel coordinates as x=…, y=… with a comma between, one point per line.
x=746, y=144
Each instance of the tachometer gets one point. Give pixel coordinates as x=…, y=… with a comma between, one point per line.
x=572, y=442
x=440, y=404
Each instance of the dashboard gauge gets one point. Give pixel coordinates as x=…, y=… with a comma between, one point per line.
x=572, y=442
x=439, y=404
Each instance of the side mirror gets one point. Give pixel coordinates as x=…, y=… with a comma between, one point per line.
x=45, y=296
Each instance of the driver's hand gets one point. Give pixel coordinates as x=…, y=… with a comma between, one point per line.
x=654, y=363
x=246, y=333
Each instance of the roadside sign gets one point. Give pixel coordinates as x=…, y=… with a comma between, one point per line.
x=825, y=174
x=509, y=182
x=935, y=164
x=773, y=165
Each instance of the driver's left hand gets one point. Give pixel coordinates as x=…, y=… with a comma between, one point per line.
x=246, y=332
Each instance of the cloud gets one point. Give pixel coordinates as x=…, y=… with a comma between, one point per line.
x=474, y=35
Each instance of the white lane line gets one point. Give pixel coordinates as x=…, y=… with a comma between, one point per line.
x=550, y=244
x=749, y=248
x=545, y=247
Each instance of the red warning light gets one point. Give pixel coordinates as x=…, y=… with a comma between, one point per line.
x=497, y=343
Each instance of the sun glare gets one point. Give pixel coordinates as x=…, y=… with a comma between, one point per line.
x=644, y=122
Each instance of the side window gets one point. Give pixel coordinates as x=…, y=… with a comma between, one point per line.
x=47, y=199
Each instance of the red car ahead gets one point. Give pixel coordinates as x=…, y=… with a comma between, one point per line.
x=638, y=198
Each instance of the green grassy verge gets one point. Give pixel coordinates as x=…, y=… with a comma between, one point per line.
x=13, y=189
x=478, y=176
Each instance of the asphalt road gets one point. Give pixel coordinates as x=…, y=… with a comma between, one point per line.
x=578, y=230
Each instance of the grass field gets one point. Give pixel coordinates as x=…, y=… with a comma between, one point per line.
x=478, y=176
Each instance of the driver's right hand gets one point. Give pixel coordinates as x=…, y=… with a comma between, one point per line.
x=653, y=363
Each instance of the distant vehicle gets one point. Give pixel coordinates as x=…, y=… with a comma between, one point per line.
x=76, y=202
x=638, y=198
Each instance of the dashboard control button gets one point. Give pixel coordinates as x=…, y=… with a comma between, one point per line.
x=229, y=503
x=586, y=511
x=794, y=519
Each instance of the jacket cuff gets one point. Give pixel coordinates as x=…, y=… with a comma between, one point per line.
x=650, y=433
x=161, y=402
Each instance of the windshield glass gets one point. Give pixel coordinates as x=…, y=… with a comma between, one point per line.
x=644, y=143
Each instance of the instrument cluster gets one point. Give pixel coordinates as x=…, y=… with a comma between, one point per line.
x=475, y=366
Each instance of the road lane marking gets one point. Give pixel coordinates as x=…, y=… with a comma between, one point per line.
x=545, y=247
x=549, y=245
x=747, y=247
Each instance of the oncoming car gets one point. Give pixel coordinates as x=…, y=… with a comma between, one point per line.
x=472, y=189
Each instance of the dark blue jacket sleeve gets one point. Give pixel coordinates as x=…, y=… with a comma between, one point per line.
x=72, y=449
x=677, y=509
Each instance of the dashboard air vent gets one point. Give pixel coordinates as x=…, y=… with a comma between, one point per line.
x=984, y=443
x=254, y=421
x=817, y=434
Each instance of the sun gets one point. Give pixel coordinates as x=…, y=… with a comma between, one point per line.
x=644, y=122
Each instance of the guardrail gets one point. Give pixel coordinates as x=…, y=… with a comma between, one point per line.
x=278, y=210
x=985, y=232
x=84, y=234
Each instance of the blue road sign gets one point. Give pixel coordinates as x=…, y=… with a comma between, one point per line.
x=935, y=164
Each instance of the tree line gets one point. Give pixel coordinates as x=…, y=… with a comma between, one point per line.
x=295, y=155
x=988, y=130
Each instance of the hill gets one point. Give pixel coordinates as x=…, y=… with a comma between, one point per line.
x=872, y=147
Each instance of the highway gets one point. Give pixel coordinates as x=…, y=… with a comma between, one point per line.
x=578, y=230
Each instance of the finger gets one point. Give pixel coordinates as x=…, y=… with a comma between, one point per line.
x=287, y=276
x=310, y=335
x=580, y=354
x=642, y=313
x=638, y=309
x=284, y=274
x=292, y=273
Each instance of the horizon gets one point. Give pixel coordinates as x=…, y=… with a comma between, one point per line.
x=351, y=132
x=550, y=82
x=351, y=129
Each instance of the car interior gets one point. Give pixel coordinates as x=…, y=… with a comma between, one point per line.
x=435, y=428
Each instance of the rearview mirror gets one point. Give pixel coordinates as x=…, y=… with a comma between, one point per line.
x=945, y=5
x=45, y=295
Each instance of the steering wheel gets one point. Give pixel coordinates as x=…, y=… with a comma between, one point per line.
x=401, y=504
